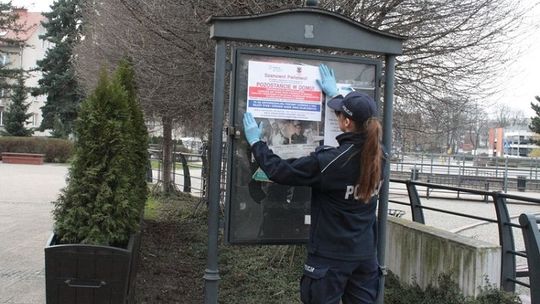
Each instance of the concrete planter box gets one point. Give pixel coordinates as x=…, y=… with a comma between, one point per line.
x=22, y=158
x=79, y=273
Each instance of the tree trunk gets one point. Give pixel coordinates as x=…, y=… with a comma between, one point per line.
x=168, y=186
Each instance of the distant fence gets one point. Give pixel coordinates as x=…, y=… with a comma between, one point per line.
x=473, y=172
x=462, y=171
x=189, y=172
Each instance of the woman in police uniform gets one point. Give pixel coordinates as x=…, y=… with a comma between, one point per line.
x=342, y=259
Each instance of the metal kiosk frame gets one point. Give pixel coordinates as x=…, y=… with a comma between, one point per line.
x=290, y=226
x=304, y=27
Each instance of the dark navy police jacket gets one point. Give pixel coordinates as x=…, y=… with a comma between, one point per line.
x=342, y=227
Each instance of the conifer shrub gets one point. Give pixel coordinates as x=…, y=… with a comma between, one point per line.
x=139, y=132
x=101, y=203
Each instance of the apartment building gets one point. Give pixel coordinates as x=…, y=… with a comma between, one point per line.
x=23, y=54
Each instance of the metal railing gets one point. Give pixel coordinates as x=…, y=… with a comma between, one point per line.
x=189, y=171
x=499, y=173
x=509, y=274
x=531, y=238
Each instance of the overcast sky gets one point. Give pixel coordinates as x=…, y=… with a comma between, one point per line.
x=520, y=82
x=33, y=5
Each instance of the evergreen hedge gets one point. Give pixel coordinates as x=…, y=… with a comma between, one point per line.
x=103, y=200
x=55, y=150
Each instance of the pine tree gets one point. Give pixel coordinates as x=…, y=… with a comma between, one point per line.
x=64, y=95
x=535, y=121
x=98, y=205
x=16, y=117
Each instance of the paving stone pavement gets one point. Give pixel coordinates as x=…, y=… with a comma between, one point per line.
x=25, y=225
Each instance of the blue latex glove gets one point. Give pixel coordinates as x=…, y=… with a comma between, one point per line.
x=251, y=130
x=328, y=81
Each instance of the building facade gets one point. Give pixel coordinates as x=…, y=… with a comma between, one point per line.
x=512, y=141
x=496, y=142
x=520, y=141
x=23, y=54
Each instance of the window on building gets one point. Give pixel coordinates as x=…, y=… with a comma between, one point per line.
x=5, y=93
x=34, y=119
x=44, y=44
x=4, y=59
x=1, y=116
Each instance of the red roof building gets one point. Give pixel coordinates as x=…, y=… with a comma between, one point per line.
x=21, y=49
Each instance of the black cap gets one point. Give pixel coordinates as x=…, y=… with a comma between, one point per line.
x=355, y=105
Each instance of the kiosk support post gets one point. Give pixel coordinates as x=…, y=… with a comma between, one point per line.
x=390, y=62
x=211, y=274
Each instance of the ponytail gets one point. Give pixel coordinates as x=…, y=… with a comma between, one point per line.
x=370, y=161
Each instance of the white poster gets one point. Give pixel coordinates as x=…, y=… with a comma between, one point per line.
x=284, y=91
x=331, y=126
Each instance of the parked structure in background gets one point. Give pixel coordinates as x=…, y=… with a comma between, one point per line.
x=23, y=53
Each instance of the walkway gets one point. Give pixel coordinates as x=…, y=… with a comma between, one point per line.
x=25, y=225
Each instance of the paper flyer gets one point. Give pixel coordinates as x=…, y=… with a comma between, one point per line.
x=284, y=91
x=331, y=126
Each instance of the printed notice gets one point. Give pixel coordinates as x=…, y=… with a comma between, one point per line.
x=284, y=91
x=331, y=129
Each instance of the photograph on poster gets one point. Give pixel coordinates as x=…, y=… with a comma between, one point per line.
x=288, y=137
x=281, y=92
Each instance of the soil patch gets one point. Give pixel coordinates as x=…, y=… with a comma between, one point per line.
x=171, y=265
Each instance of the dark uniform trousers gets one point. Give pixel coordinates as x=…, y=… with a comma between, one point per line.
x=327, y=281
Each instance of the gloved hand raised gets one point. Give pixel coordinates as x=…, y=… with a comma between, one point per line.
x=252, y=131
x=328, y=81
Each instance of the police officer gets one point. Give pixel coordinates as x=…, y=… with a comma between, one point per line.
x=342, y=261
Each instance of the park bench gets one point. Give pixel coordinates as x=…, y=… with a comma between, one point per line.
x=22, y=158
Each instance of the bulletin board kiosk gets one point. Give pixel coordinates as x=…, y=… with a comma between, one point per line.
x=278, y=86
